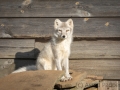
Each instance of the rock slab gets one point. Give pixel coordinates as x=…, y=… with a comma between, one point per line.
x=77, y=78
x=31, y=80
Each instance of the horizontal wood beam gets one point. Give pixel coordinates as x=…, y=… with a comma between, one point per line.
x=109, y=69
x=91, y=49
x=17, y=48
x=43, y=27
x=28, y=48
x=64, y=8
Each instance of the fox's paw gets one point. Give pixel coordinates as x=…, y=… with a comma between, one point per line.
x=64, y=79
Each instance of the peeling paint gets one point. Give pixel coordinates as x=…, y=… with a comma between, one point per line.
x=22, y=11
x=6, y=32
x=80, y=11
x=27, y=2
x=6, y=35
x=107, y=24
x=83, y=13
x=86, y=19
x=7, y=63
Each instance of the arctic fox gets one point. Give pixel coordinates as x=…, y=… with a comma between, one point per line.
x=55, y=54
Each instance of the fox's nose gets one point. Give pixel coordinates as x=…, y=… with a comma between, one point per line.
x=63, y=36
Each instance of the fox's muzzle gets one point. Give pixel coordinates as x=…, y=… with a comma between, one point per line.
x=64, y=36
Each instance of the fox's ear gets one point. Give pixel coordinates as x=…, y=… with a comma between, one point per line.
x=57, y=22
x=70, y=22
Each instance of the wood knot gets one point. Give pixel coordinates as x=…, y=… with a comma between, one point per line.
x=22, y=11
x=107, y=24
x=77, y=3
x=2, y=25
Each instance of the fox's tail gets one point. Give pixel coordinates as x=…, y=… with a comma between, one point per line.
x=26, y=68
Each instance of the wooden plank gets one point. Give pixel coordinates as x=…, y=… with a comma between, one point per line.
x=108, y=85
x=91, y=49
x=6, y=67
x=97, y=64
x=17, y=48
x=43, y=27
x=107, y=74
x=109, y=69
x=64, y=8
x=16, y=43
x=96, y=49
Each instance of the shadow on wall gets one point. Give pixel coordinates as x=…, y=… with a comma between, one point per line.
x=26, y=58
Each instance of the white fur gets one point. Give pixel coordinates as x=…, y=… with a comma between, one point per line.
x=26, y=68
x=55, y=54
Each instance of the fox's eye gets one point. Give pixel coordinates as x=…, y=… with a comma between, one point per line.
x=67, y=30
x=60, y=30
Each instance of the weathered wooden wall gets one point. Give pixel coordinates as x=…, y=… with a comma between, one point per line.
x=59, y=8
x=25, y=27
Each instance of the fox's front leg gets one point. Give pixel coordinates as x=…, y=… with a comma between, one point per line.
x=58, y=64
x=57, y=57
x=66, y=67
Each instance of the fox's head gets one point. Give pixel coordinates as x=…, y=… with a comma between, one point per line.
x=63, y=30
